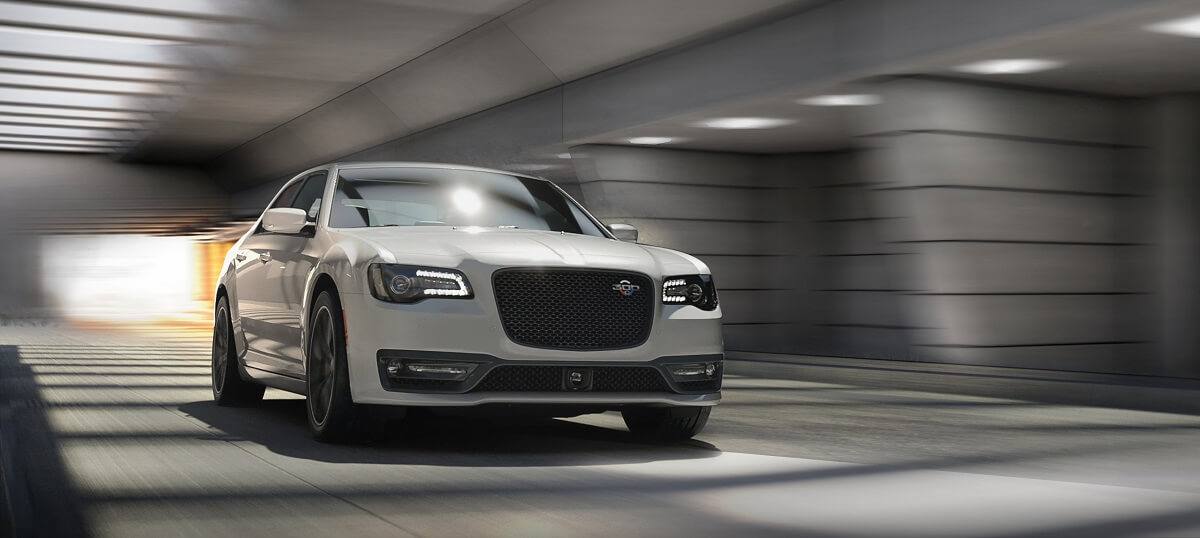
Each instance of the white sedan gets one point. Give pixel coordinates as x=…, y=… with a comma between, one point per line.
x=366, y=285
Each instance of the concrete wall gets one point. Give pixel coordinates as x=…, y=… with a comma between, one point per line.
x=1023, y=222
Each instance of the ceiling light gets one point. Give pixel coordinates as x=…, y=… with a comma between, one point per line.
x=651, y=140
x=1012, y=66
x=42, y=147
x=64, y=132
x=70, y=122
x=744, y=123
x=1187, y=27
x=59, y=98
x=86, y=84
x=17, y=42
x=63, y=141
x=68, y=112
x=84, y=69
x=563, y=155
x=842, y=100
x=112, y=25
x=132, y=40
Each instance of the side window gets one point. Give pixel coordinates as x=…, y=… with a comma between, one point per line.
x=285, y=198
x=309, y=198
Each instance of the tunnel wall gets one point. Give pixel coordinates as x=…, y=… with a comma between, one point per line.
x=1024, y=222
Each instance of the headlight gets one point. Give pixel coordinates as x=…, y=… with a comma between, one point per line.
x=410, y=283
x=696, y=290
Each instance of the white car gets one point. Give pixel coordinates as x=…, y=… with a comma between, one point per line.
x=422, y=285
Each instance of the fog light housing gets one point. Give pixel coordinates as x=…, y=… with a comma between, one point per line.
x=419, y=369
x=694, y=371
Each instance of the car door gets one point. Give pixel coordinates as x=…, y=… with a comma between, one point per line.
x=255, y=302
x=293, y=258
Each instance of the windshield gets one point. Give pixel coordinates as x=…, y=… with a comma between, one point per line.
x=448, y=197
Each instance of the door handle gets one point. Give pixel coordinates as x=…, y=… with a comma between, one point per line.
x=264, y=257
x=239, y=257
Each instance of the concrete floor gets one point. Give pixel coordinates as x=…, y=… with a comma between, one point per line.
x=116, y=435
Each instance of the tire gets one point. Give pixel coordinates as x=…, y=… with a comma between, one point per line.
x=666, y=423
x=229, y=389
x=333, y=417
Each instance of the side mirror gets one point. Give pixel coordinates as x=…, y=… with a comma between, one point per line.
x=624, y=232
x=284, y=220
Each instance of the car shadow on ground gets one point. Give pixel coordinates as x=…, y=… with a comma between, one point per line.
x=424, y=439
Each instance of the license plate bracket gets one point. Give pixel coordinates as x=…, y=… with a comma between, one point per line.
x=576, y=379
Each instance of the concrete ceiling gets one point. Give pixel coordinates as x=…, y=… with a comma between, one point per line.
x=1115, y=55
x=189, y=81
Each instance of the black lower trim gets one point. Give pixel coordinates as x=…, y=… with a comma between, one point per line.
x=603, y=376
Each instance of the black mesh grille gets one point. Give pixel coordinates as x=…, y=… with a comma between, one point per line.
x=550, y=379
x=574, y=309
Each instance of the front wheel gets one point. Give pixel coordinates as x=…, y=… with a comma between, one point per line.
x=666, y=423
x=228, y=387
x=332, y=415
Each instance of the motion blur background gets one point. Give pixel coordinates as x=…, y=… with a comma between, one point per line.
x=1007, y=183
x=956, y=241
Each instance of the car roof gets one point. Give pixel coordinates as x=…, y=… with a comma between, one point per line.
x=405, y=164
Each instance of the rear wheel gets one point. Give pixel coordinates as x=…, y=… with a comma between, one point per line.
x=666, y=423
x=227, y=384
x=332, y=414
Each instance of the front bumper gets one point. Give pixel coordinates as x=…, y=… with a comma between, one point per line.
x=471, y=328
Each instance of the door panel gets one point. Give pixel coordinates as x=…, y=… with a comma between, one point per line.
x=257, y=306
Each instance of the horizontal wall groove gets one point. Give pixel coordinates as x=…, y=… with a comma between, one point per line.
x=857, y=184
x=1062, y=344
x=748, y=323
x=728, y=255
x=1011, y=137
x=1057, y=192
x=1026, y=242
x=864, y=254
x=857, y=219
x=1027, y=293
x=694, y=219
x=862, y=290
x=703, y=185
x=872, y=326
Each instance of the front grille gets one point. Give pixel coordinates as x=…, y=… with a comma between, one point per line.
x=576, y=310
x=509, y=378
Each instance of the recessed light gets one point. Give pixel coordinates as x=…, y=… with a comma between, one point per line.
x=744, y=123
x=1012, y=66
x=651, y=140
x=563, y=155
x=859, y=99
x=133, y=40
x=1186, y=27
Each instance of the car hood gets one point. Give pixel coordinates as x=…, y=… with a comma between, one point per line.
x=503, y=248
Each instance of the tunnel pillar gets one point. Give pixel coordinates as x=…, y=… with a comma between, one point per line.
x=1022, y=224
x=1175, y=131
